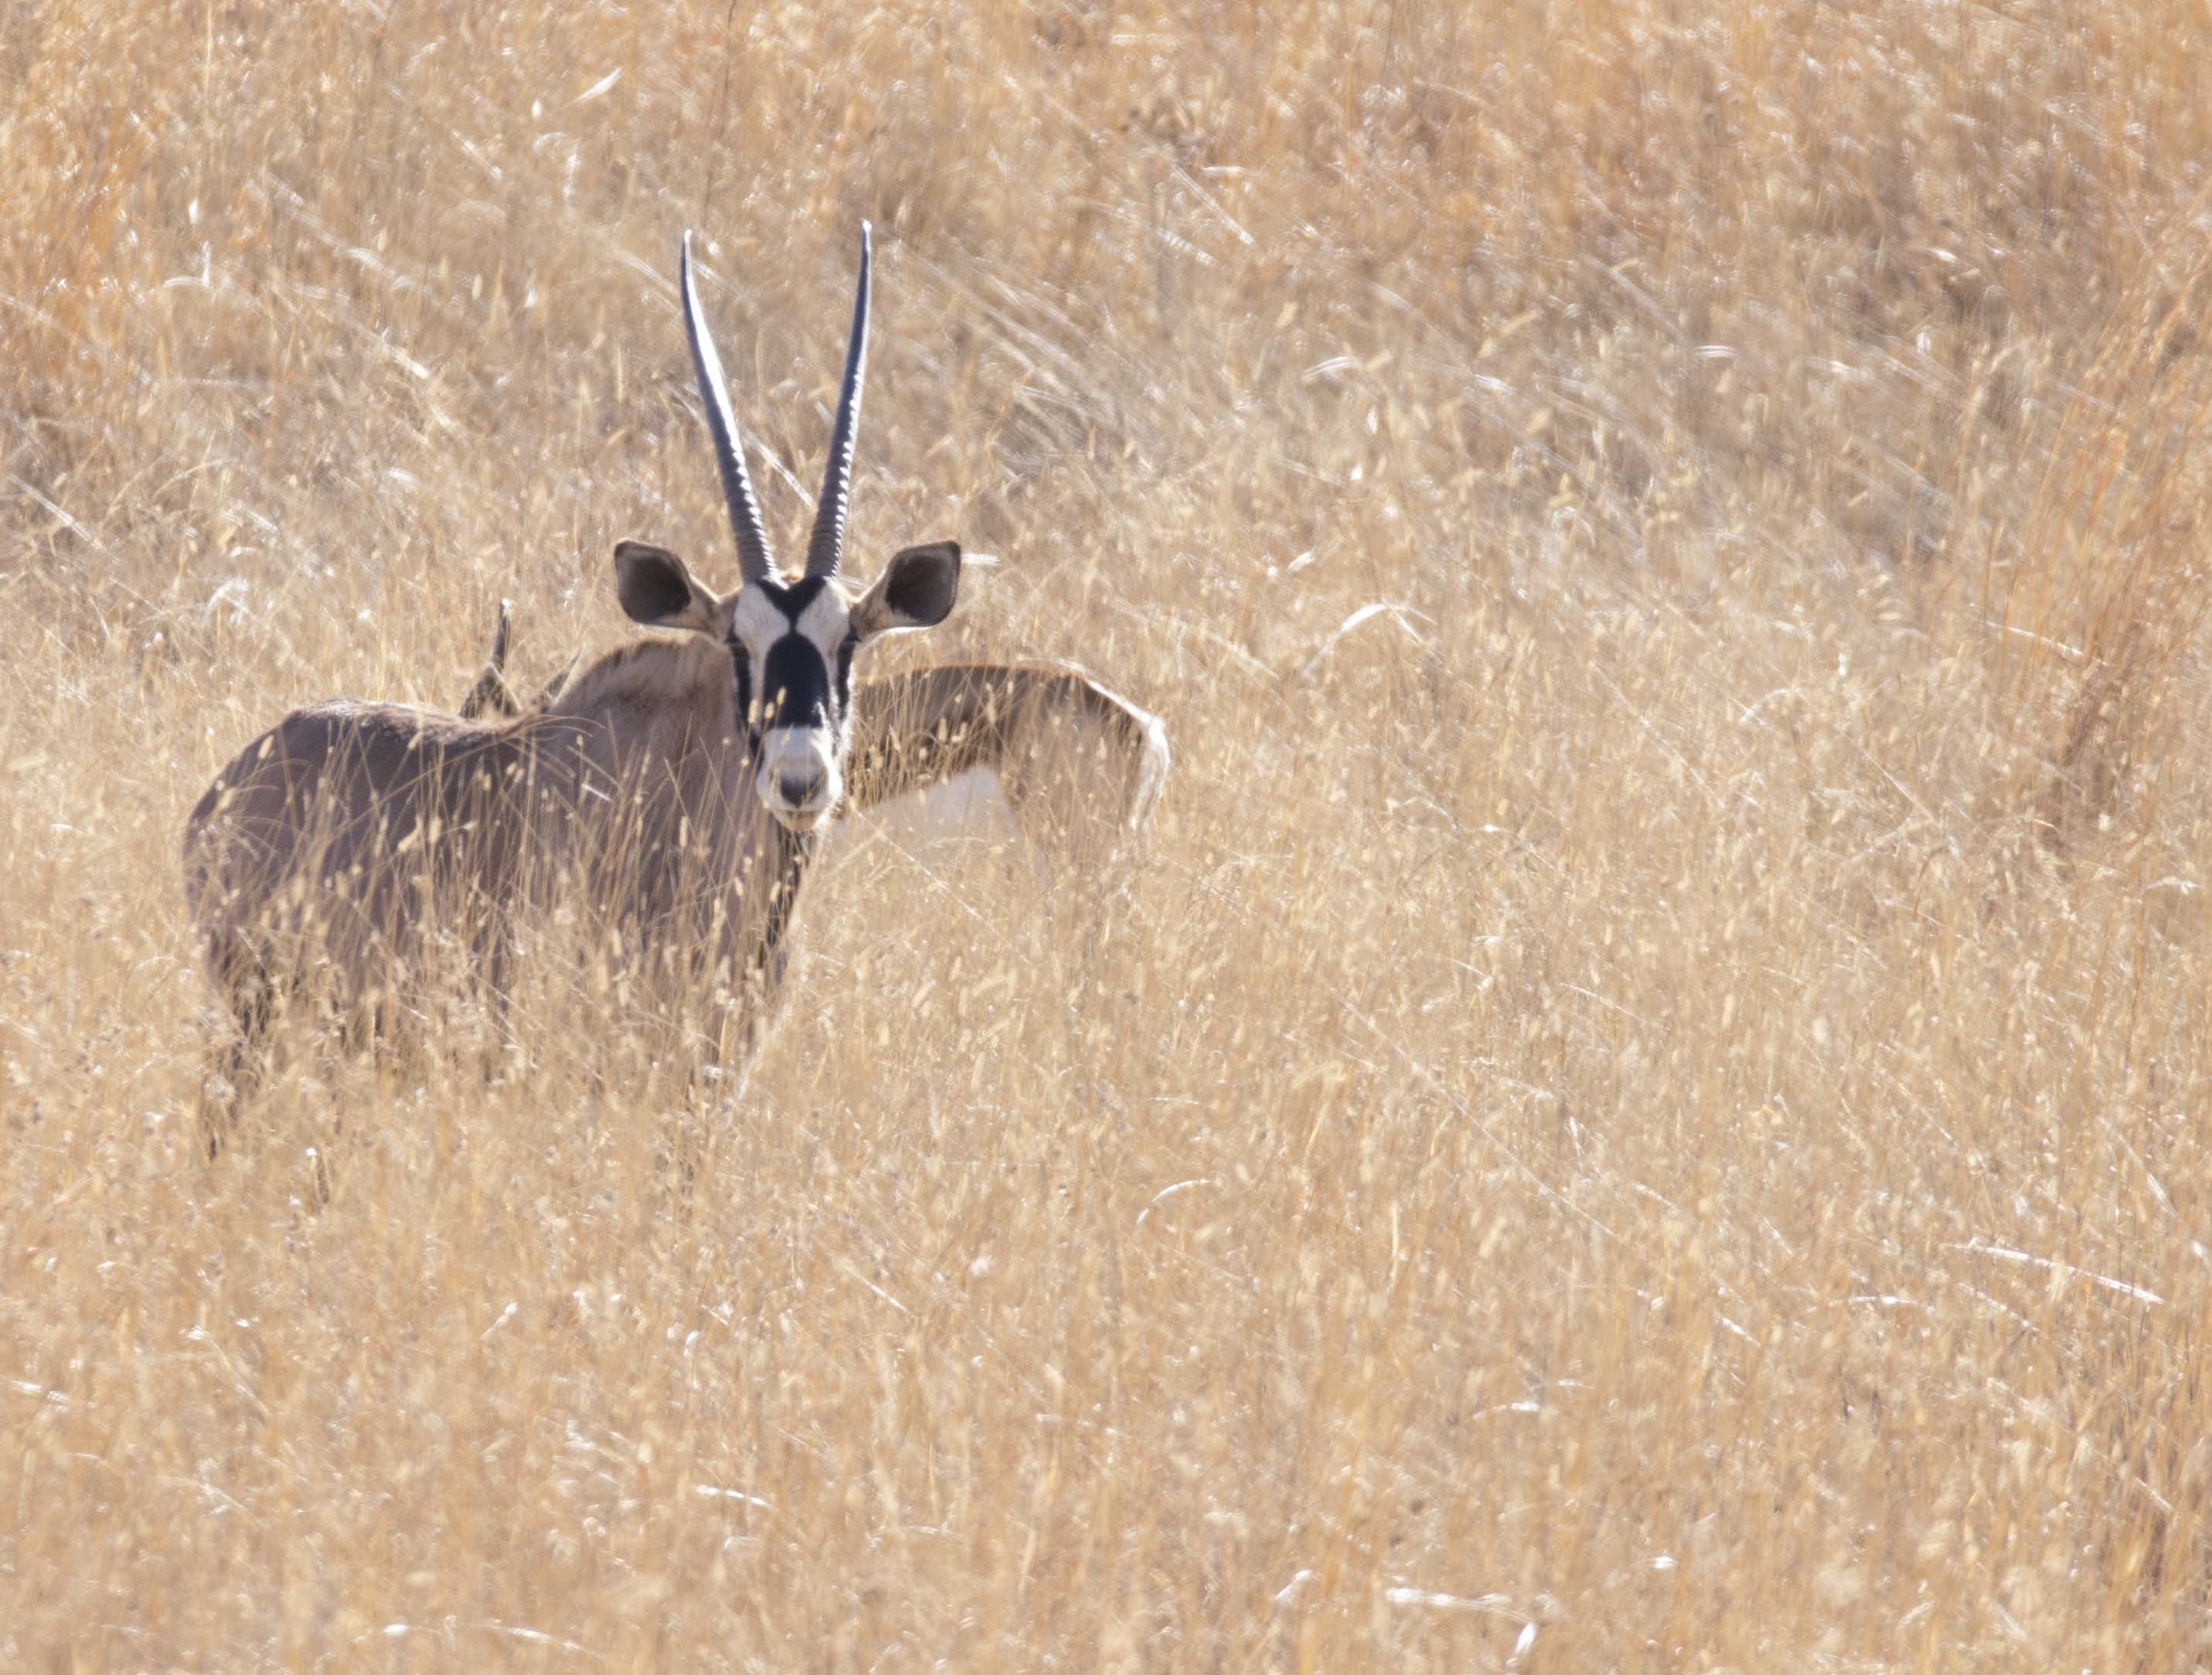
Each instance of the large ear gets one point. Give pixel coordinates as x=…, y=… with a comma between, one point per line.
x=655, y=590
x=916, y=590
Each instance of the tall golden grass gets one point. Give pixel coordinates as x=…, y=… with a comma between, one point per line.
x=1643, y=1106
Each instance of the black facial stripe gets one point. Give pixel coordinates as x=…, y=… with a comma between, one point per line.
x=795, y=684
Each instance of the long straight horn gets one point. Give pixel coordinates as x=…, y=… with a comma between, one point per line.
x=827, y=545
x=755, y=562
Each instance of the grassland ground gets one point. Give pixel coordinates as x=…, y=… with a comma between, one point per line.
x=1641, y=1102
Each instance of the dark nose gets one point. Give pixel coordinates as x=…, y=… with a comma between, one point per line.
x=800, y=785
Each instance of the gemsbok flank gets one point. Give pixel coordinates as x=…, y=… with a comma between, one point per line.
x=670, y=793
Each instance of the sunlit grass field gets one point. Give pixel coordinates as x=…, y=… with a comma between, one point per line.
x=1641, y=1102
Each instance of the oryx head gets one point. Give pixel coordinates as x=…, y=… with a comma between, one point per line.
x=790, y=639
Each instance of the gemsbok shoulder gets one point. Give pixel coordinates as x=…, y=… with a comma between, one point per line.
x=671, y=792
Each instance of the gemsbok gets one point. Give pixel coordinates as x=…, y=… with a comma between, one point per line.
x=670, y=793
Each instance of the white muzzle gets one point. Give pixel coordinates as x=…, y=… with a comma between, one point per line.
x=798, y=782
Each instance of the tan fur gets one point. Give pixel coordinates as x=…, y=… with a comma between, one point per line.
x=343, y=848
x=1040, y=727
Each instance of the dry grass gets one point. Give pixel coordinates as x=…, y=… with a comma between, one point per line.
x=1645, y=1104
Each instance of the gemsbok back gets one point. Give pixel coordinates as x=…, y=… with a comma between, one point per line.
x=671, y=792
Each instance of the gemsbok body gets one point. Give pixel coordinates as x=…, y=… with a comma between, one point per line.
x=668, y=796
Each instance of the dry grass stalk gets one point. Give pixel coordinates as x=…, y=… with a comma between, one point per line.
x=1591, y=1140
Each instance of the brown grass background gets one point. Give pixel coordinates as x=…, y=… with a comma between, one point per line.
x=1641, y=1106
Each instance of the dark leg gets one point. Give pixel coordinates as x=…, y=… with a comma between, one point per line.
x=237, y=1064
